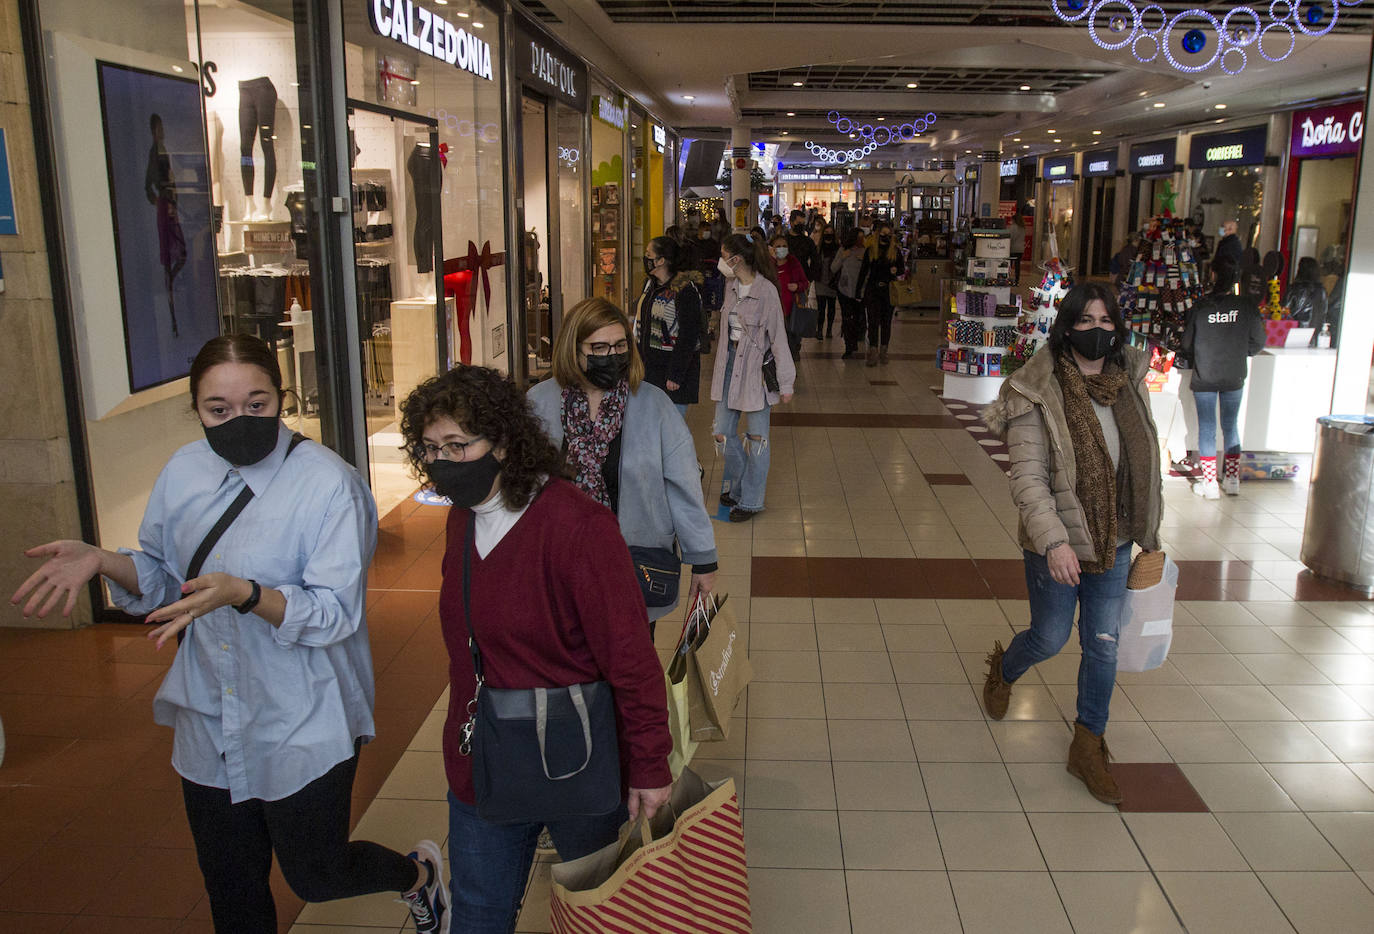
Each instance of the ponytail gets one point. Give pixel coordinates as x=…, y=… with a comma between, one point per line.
x=755, y=255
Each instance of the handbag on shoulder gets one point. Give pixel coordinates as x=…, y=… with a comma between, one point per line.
x=659, y=571
x=538, y=754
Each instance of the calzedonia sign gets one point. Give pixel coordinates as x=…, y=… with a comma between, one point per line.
x=1218, y=150
x=544, y=64
x=1328, y=131
x=430, y=34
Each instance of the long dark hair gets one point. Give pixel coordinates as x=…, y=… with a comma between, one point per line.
x=235, y=348
x=754, y=254
x=487, y=404
x=1072, y=306
x=671, y=252
x=1309, y=270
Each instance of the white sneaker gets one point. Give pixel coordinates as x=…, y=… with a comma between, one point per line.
x=1207, y=489
x=1230, y=486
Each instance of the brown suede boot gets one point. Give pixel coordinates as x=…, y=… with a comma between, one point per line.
x=1088, y=758
x=872, y=359
x=882, y=354
x=996, y=691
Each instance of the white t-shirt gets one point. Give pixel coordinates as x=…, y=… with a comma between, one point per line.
x=737, y=329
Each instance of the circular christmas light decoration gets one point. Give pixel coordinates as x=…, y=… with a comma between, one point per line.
x=1195, y=39
x=874, y=136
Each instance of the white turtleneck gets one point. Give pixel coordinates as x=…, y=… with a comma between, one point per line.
x=494, y=520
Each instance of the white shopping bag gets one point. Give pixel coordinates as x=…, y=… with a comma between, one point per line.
x=1147, y=623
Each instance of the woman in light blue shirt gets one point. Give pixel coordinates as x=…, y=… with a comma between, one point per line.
x=271, y=691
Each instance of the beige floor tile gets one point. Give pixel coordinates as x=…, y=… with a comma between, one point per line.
x=1066, y=697
x=786, y=699
x=886, y=902
x=863, y=702
x=835, y=610
x=850, y=637
x=1351, y=834
x=1115, y=903
x=1341, y=613
x=886, y=548
x=791, y=839
x=798, y=901
x=732, y=748
x=1282, y=742
x=1318, y=786
x=534, y=915
x=1237, y=787
x=788, y=739
x=367, y=911
x=1213, y=670
x=1201, y=742
x=1321, y=902
x=1319, y=702
x=890, y=840
x=856, y=667
x=1361, y=694
x=1314, y=640
x=1249, y=639
x=1286, y=613
x=908, y=612
x=779, y=784
x=928, y=668
x=1224, y=903
x=1193, y=639
x=785, y=666
x=987, y=899
x=430, y=736
x=1086, y=842
x=1165, y=674
x=713, y=770
x=1032, y=741
x=870, y=741
x=780, y=610
x=1029, y=701
x=1280, y=842
x=1345, y=669
x=779, y=547
x=1273, y=669
x=1169, y=702
x=1239, y=702
x=1184, y=842
x=1352, y=740
x=939, y=548
x=988, y=842
x=837, y=531
x=1045, y=786
x=940, y=702
x=1062, y=669
x=832, y=548
x=953, y=741
x=398, y=823
x=417, y=775
x=969, y=786
x=1361, y=637
x=1220, y=613
x=917, y=639
x=781, y=637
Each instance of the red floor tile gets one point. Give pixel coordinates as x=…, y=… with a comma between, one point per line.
x=1308, y=586
x=105, y=924
x=18, y=922
x=129, y=817
x=68, y=877
x=955, y=579
x=947, y=479
x=151, y=883
x=778, y=577
x=1155, y=787
x=861, y=420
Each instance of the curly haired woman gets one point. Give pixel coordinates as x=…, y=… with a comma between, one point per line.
x=546, y=613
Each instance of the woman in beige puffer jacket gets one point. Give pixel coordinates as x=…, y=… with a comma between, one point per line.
x=1085, y=476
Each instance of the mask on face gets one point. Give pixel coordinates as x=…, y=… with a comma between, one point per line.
x=725, y=268
x=244, y=440
x=1094, y=343
x=828, y=240
x=605, y=372
x=865, y=230
x=780, y=252
x=649, y=265
x=884, y=240
x=464, y=483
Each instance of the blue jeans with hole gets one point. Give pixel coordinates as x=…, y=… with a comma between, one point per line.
x=489, y=864
x=746, y=462
x=1207, y=421
x=1099, y=600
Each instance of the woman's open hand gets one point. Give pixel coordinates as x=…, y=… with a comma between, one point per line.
x=70, y=567
x=648, y=801
x=203, y=594
x=1063, y=565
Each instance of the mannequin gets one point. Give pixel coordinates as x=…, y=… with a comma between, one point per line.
x=257, y=120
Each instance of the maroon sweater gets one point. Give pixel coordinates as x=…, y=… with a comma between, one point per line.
x=556, y=603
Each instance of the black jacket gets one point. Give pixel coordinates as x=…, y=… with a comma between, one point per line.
x=1230, y=251
x=1221, y=332
x=669, y=324
x=878, y=271
x=804, y=249
x=1307, y=302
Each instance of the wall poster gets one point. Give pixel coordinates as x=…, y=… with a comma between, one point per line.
x=159, y=178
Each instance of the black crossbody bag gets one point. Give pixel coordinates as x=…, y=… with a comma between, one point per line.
x=538, y=754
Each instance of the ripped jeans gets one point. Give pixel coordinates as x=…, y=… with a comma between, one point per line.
x=746, y=466
x=1099, y=599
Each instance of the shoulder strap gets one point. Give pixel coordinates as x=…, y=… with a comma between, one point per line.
x=468, y=547
x=227, y=519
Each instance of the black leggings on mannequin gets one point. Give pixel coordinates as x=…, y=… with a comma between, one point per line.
x=425, y=181
x=258, y=118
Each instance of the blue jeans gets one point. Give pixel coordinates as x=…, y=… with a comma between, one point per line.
x=1100, y=599
x=1207, y=421
x=489, y=864
x=681, y=409
x=746, y=466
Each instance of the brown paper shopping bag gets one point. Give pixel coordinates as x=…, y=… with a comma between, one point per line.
x=691, y=879
x=718, y=671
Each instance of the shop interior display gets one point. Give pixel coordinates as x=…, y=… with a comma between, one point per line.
x=1034, y=330
x=927, y=221
x=982, y=322
x=539, y=338
x=1160, y=286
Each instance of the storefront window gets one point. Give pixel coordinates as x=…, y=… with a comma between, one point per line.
x=1229, y=194
x=572, y=200
x=1060, y=222
x=1323, y=146
x=609, y=119
x=641, y=204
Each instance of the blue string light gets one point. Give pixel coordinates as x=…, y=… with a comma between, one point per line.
x=874, y=136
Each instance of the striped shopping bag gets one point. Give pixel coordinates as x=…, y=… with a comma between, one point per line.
x=691, y=879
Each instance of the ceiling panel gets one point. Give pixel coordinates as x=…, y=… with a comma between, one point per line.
x=927, y=79
x=537, y=9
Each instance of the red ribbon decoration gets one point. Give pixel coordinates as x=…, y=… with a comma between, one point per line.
x=443, y=155
x=465, y=271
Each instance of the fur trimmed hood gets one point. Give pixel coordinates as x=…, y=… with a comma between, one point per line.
x=685, y=278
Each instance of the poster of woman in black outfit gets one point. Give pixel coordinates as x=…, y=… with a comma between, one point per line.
x=161, y=189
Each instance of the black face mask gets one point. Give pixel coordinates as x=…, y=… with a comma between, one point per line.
x=649, y=265
x=245, y=439
x=464, y=483
x=884, y=241
x=1094, y=343
x=605, y=372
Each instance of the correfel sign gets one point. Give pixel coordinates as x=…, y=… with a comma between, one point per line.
x=430, y=34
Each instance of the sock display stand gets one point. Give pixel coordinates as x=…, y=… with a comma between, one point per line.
x=1034, y=329
x=982, y=322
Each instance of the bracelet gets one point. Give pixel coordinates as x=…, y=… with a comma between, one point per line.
x=248, y=605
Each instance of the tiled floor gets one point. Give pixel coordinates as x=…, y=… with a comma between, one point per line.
x=877, y=796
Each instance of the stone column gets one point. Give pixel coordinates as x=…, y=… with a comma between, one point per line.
x=740, y=179
x=36, y=485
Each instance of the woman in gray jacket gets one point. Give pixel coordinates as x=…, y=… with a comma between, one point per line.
x=625, y=443
x=1085, y=476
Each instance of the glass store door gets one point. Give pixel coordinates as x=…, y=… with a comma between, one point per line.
x=536, y=240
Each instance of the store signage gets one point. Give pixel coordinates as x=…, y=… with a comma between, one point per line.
x=430, y=34
x=548, y=66
x=813, y=176
x=1154, y=157
x=971, y=174
x=1059, y=168
x=1239, y=147
x=9, y=225
x=1010, y=169
x=1328, y=131
x=610, y=110
x=660, y=138
x=1099, y=162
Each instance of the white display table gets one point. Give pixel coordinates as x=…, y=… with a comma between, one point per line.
x=1288, y=389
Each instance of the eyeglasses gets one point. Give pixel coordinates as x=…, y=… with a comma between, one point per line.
x=601, y=348
x=449, y=451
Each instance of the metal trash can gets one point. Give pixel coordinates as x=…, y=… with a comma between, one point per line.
x=1338, y=536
